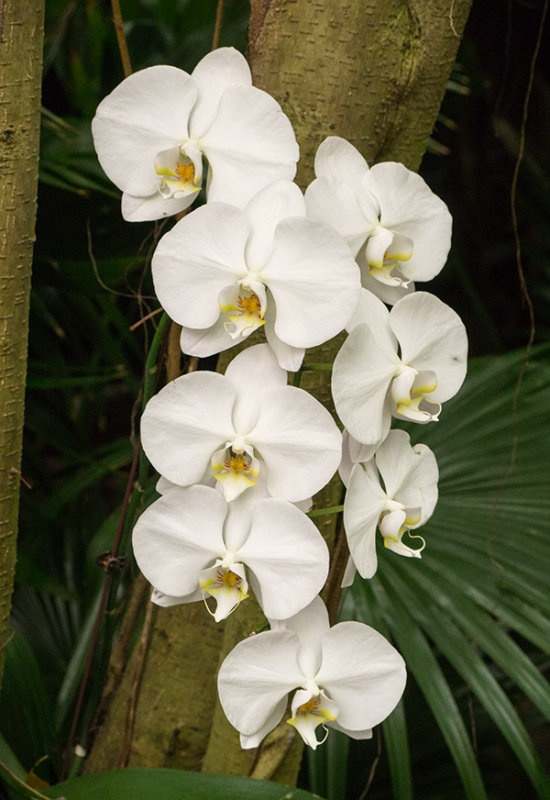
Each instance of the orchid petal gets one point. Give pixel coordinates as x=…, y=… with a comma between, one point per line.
x=308, y=712
x=349, y=573
x=255, y=678
x=287, y=556
x=361, y=376
x=264, y=212
x=353, y=452
x=362, y=673
x=200, y=256
x=388, y=294
x=310, y=626
x=371, y=310
x=376, y=247
x=410, y=473
x=299, y=443
x=364, y=734
x=398, y=546
x=289, y=358
x=250, y=144
x=153, y=206
x=235, y=470
x=314, y=281
x=248, y=742
x=146, y=113
x=432, y=337
x=335, y=203
x=167, y=601
x=185, y=423
x=228, y=587
x=178, y=536
x=363, y=504
x=217, y=71
x=391, y=522
x=204, y=342
x=337, y=158
x=254, y=373
x=410, y=208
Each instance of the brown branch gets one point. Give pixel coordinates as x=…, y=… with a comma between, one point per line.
x=121, y=38
x=218, y=24
x=133, y=699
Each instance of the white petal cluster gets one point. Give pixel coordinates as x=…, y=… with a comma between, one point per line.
x=346, y=677
x=241, y=454
x=192, y=541
x=402, y=363
x=396, y=227
x=234, y=427
x=223, y=272
x=152, y=132
x=394, y=491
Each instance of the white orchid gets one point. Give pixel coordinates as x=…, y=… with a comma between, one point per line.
x=404, y=362
x=223, y=272
x=398, y=229
x=236, y=425
x=346, y=677
x=152, y=131
x=395, y=491
x=191, y=543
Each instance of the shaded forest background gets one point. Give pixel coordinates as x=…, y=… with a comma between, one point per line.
x=91, y=284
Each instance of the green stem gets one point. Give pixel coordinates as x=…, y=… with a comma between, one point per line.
x=325, y=512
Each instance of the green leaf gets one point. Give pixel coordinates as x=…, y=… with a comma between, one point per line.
x=466, y=660
x=483, y=576
x=420, y=659
x=165, y=784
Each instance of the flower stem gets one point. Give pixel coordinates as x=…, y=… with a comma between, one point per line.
x=121, y=38
x=325, y=512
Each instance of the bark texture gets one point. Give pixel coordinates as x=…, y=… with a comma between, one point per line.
x=374, y=72
x=21, y=37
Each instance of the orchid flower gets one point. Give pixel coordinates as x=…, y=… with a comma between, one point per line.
x=404, y=362
x=152, y=132
x=395, y=491
x=396, y=227
x=236, y=426
x=346, y=677
x=192, y=544
x=223, y=272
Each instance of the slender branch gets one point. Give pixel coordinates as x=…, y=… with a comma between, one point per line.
x=141, y=659
x=218, y=24
x=333, y=587
x=121, y=38
x=99, y=616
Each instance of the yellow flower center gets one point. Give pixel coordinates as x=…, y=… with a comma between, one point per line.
x=310, y=706
x=250, y=304
x=185, y=172
x=228, y=578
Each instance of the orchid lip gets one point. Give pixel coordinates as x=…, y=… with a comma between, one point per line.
x=180, y=171
x=244, y=305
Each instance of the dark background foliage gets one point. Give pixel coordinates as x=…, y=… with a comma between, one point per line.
x=91, y=283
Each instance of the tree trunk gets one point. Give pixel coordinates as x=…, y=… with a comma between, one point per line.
x=374, y=72
x=21, y=38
